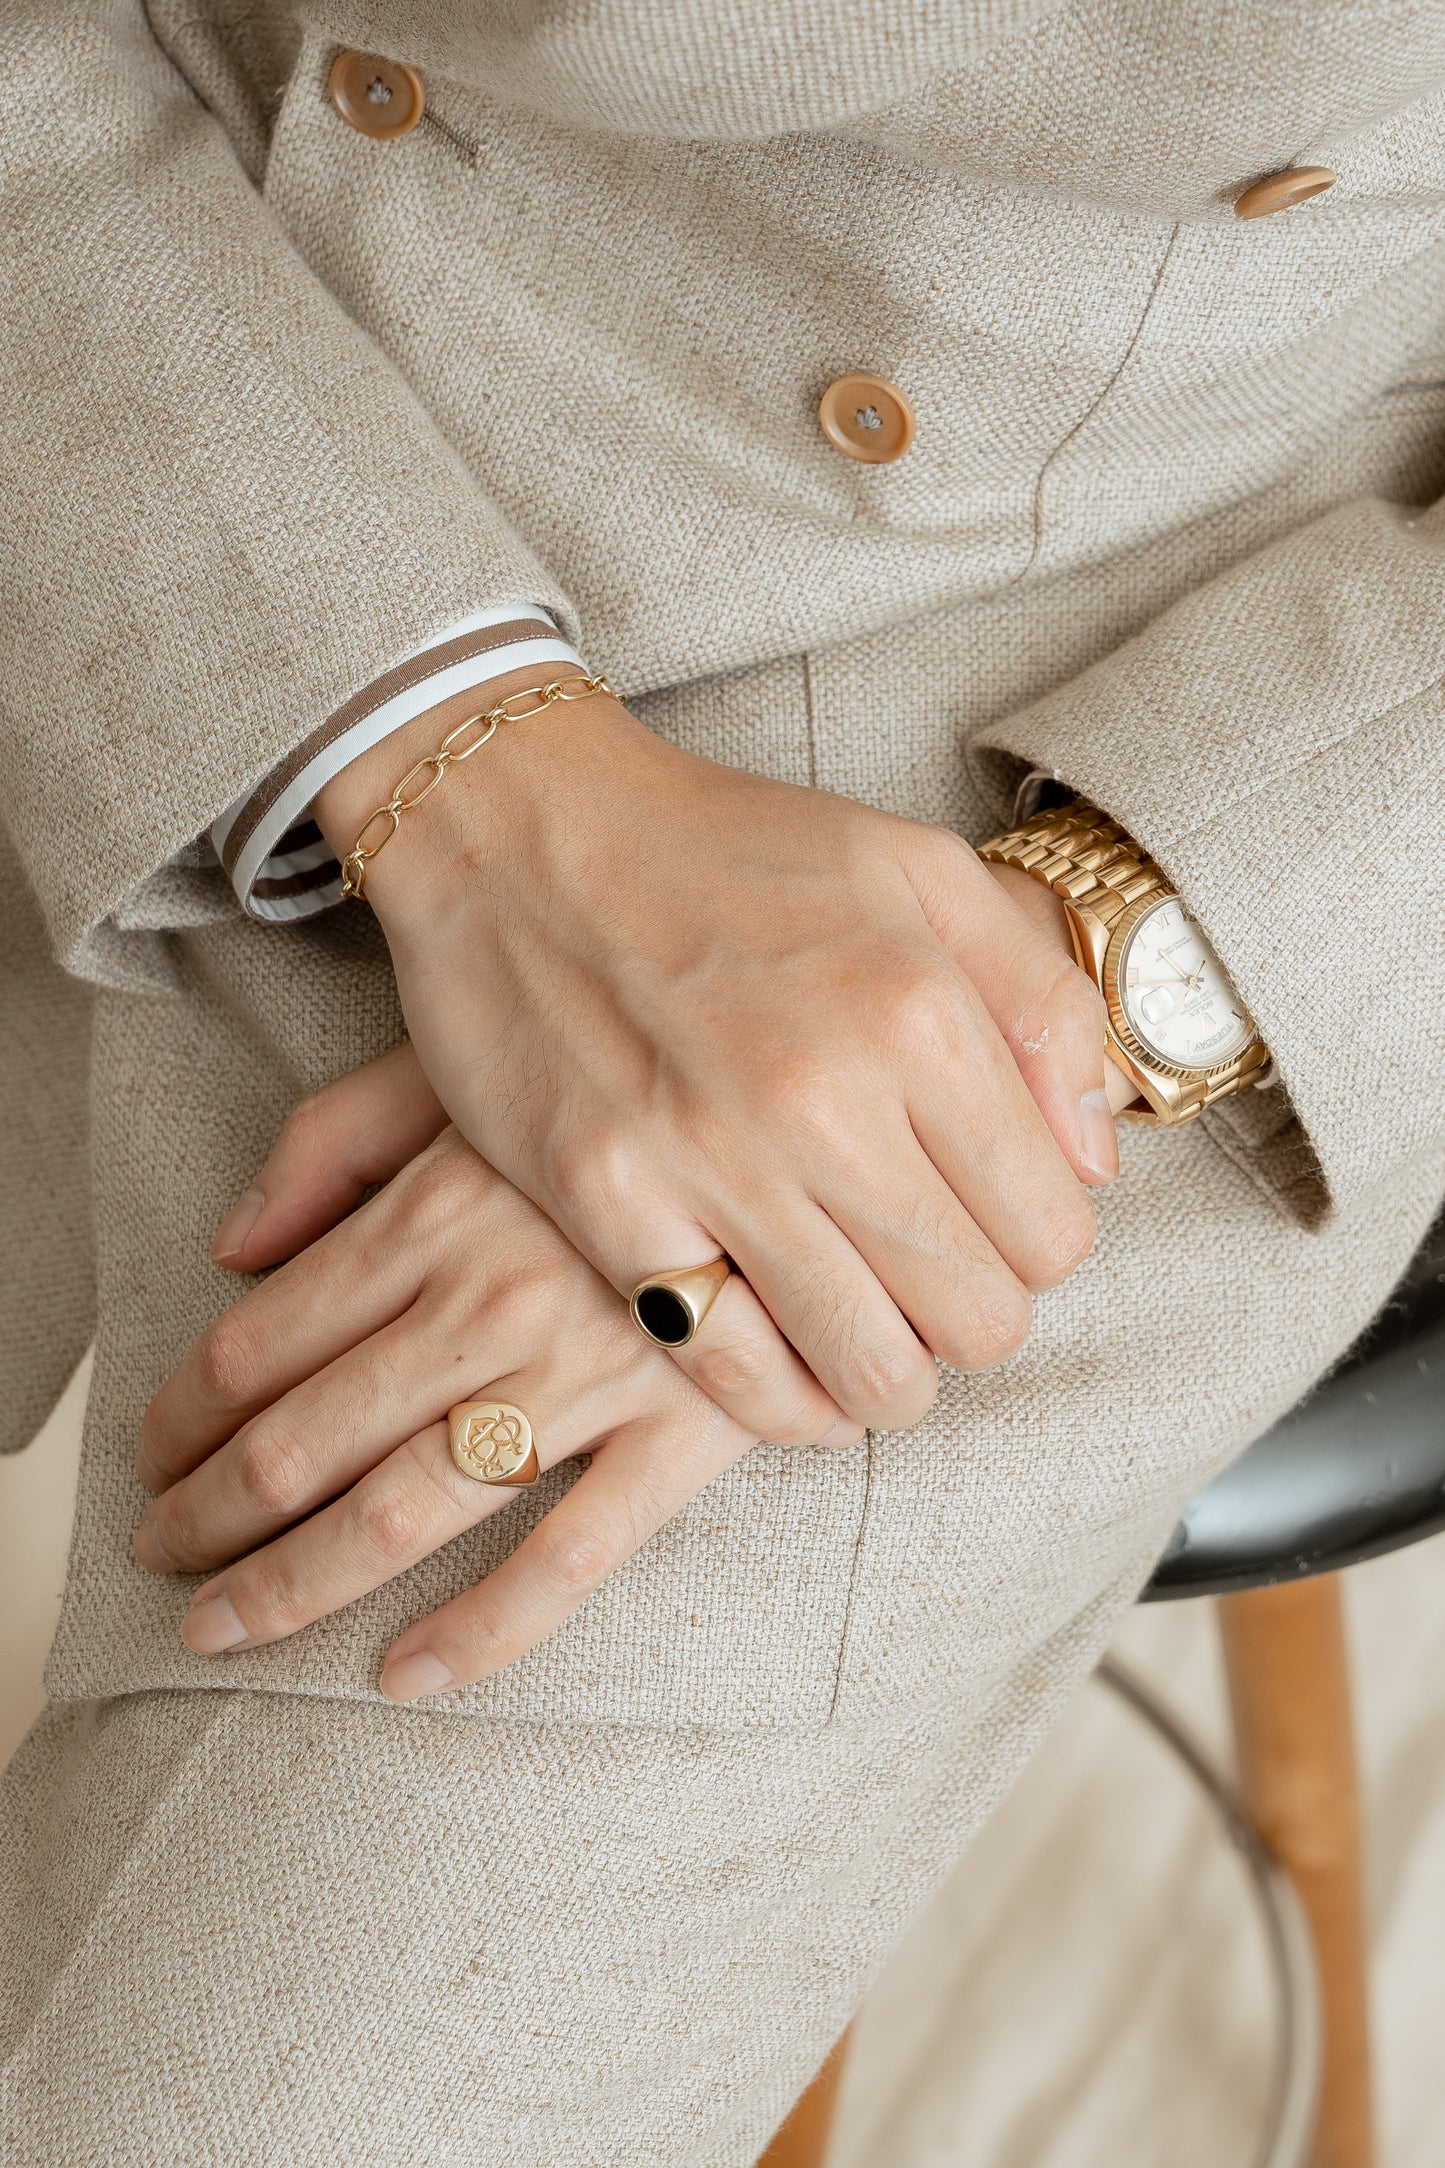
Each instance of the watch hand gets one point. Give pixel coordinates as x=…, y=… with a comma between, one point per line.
x=1190, y=978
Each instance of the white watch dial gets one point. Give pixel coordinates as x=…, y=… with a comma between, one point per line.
x=1174, y=991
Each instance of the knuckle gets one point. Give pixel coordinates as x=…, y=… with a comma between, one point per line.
x=392, y=1525
x=430, y=1187
x=1067, y=1240
x=273, y=1473
x=995, y=1327
x=596, y=1174
x=581, y=1560
x=179, y=1531
x=1077, y=1003
x=745, y=1378
x=227, y=1357
x=479, y=1638
x=921, y=1021
x=889, y=1387
x=734, y=1369
x=1058, y=1243
x=1065, y=1015
x=814, y=1100
x=305, y=1126
x=268, y=1600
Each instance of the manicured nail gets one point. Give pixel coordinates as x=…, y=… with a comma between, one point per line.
x=147, y=1471
x=211, y=1625
x=1098, y=1138
x=234, y=1228
x=411, y=1676
x=149, y=1548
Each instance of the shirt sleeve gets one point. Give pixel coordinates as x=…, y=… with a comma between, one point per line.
x=226, y=510
x=277, y=859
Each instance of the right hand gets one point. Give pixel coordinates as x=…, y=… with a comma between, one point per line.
x=687, y=1010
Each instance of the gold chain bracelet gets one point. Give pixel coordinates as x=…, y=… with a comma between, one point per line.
x=447, y=755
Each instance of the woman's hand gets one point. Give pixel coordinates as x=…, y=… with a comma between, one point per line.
x=301, y=1436
x=689, y=1010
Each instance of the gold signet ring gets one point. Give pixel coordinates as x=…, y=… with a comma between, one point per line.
x=493, y=1443
x=670, y=1306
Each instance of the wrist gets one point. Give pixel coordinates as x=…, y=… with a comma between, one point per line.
x=522, y=768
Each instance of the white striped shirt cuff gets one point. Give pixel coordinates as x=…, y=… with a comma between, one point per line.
x=279, y=863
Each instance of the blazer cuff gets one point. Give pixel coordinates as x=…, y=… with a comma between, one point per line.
x=275, y=856
x=1276, y=741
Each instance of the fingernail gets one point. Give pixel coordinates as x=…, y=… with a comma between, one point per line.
x=150, y=1550
x=211, y=1625
x=411, y=1676
x=234, y=1228
x=147, y=1471
x=843, y=1431
x=1098, y=1138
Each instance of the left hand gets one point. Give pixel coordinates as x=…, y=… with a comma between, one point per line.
x=300, y=1446
x=694, y=1012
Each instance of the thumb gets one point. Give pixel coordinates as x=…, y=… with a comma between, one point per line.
x=334, y=1145
x=1010, y=936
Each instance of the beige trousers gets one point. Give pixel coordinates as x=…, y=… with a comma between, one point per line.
x=247, y=1928
x=242, y=1930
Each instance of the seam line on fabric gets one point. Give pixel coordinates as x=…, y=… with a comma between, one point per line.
x=1036, y=545
x=853, y=1566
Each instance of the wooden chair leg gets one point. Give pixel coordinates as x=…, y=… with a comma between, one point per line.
x=802, y=2142
x=1289, y=1686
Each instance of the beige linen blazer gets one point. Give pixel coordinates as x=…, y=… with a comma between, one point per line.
x=280, y=400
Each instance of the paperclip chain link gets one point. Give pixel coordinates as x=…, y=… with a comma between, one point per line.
x=458, y=745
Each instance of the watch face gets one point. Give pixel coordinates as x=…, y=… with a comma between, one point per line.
x=1173, y=990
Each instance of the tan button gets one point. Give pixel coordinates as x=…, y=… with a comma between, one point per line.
x=867, y=418
x=382, y=98
x=1295, y=185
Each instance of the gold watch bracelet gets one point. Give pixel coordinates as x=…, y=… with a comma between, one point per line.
x=1091, y=862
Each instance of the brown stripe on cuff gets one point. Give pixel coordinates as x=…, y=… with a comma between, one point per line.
x=326, y=875
x=429, y=663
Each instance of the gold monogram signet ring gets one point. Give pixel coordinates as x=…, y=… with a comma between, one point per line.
x=670, y=1306
x=493, y=1443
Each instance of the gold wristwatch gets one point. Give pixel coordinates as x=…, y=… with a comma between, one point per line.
x=1175, y=1024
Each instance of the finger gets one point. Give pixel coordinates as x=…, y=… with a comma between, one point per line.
x=394, y=1517
x=648, y=1473
x=741, y=1357
x=407, y=1506
x=982, y=1129
x=295, y=1455
x=1009, y=937
x=822, y=1295
x=334, y=1145
x=823, y=1299
x=742, y=1362
x=346, y=1287
x=966, y=1304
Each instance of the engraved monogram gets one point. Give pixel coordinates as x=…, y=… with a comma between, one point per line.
x=493, y=1443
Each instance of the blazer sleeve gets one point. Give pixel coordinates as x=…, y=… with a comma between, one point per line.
x=225, y=511
x=1277, y=741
